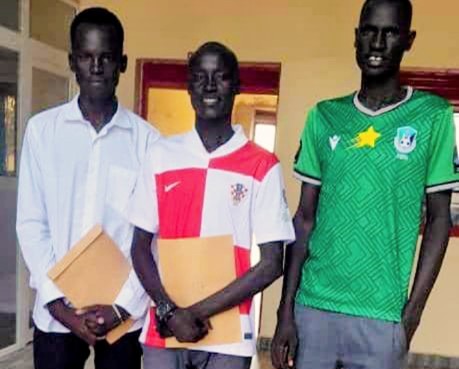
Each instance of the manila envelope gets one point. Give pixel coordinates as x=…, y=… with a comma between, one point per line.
x=195, y=268
x=93, y=272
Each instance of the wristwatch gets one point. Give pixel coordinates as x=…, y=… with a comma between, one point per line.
x=164, y=311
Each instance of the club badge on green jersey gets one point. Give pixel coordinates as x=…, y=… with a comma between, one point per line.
x=405, y=141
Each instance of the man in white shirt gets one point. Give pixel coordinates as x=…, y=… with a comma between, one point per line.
x=78, y=167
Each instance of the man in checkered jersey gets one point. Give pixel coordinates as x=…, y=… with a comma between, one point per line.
x=211, y=181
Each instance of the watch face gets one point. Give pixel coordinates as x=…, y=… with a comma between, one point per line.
x=162, y=309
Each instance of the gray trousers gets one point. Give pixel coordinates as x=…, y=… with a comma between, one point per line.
x=330, y=340
x=157, y=358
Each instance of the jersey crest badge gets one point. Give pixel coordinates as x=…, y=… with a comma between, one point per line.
x=238, y=193
x=405, y=141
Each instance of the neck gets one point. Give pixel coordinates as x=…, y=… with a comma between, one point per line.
x=376, y=93
x=98, y=112
x=214, y=132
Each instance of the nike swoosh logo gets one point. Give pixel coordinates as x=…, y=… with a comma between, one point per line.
x=171, y=186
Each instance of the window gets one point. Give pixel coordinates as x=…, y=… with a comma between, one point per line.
x=9, y=14
x=34, y=75
x=50, y=21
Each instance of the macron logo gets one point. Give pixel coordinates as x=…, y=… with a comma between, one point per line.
x=171, y=186
x=334, y=141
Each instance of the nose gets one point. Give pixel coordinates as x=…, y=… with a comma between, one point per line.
x=96, y=65
x=378, y=41
x=211, y=83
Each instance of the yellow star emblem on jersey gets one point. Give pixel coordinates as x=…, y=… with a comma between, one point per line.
x=367, y=138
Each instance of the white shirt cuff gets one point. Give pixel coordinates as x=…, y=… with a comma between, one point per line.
x=49, y=292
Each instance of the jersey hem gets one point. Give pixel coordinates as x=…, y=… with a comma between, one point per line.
x=442, y=186
x=305, y=178
x=346, y=311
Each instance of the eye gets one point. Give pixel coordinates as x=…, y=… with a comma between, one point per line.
x=107, y=58
x=365, y=31
x=222, y=76
x=392, y=33
x=198, y=77
x=81, y=57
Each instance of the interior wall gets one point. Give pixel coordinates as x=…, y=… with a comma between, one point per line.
x=314, y=42
x=171, y=112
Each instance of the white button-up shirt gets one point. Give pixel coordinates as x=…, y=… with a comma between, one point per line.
x=70, y=179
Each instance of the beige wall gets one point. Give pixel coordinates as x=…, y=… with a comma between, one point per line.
x=313, y=39
x=171, y=112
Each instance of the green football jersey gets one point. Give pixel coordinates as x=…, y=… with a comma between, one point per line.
x=374, y=169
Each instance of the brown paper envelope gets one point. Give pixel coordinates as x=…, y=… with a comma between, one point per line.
x=195, y=268
x=93, y=272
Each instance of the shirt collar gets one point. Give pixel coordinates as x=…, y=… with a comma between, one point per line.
x=365, y=110
x=73, y=114
x=234, y=143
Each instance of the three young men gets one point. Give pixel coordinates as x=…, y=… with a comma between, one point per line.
x=366, y=162
x=78, y=167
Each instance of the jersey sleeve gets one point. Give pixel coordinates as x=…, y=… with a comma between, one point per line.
x=307, y=165
x=442, y=172
x=142, y=210
x=270, y=216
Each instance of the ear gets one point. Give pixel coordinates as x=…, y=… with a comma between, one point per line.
x=237, y=88
x=124, y=63
x=71, y=62
x=188, y=82
x=411, y=38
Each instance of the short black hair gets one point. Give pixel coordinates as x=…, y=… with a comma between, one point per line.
x=405, y=5
x=213, y=47
x=99, y=17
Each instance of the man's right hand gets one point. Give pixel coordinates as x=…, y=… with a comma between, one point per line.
x=186, y=326
x=285, y=342
x=68, y=318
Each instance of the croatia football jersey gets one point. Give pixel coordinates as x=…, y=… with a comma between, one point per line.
x=373, y=169
x=236, y=190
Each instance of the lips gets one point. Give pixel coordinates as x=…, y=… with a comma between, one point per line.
x=96, y=81
x=210, y=101
x=375, y=60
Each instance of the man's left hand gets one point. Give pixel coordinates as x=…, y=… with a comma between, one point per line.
x=101, y=319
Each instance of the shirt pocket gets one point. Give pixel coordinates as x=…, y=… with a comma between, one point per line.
x=120, y=184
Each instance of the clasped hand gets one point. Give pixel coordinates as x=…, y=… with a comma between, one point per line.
x=185, y=326
x=91, y=324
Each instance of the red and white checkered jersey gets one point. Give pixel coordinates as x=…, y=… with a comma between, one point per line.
x=185, y=191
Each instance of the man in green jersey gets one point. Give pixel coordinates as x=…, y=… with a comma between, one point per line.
x=366, y=162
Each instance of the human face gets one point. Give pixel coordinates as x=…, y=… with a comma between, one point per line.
x=97, y=61
x=382, y=38
x=212, y=87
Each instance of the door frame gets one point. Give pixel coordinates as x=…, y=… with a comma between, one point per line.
x=256, y=78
